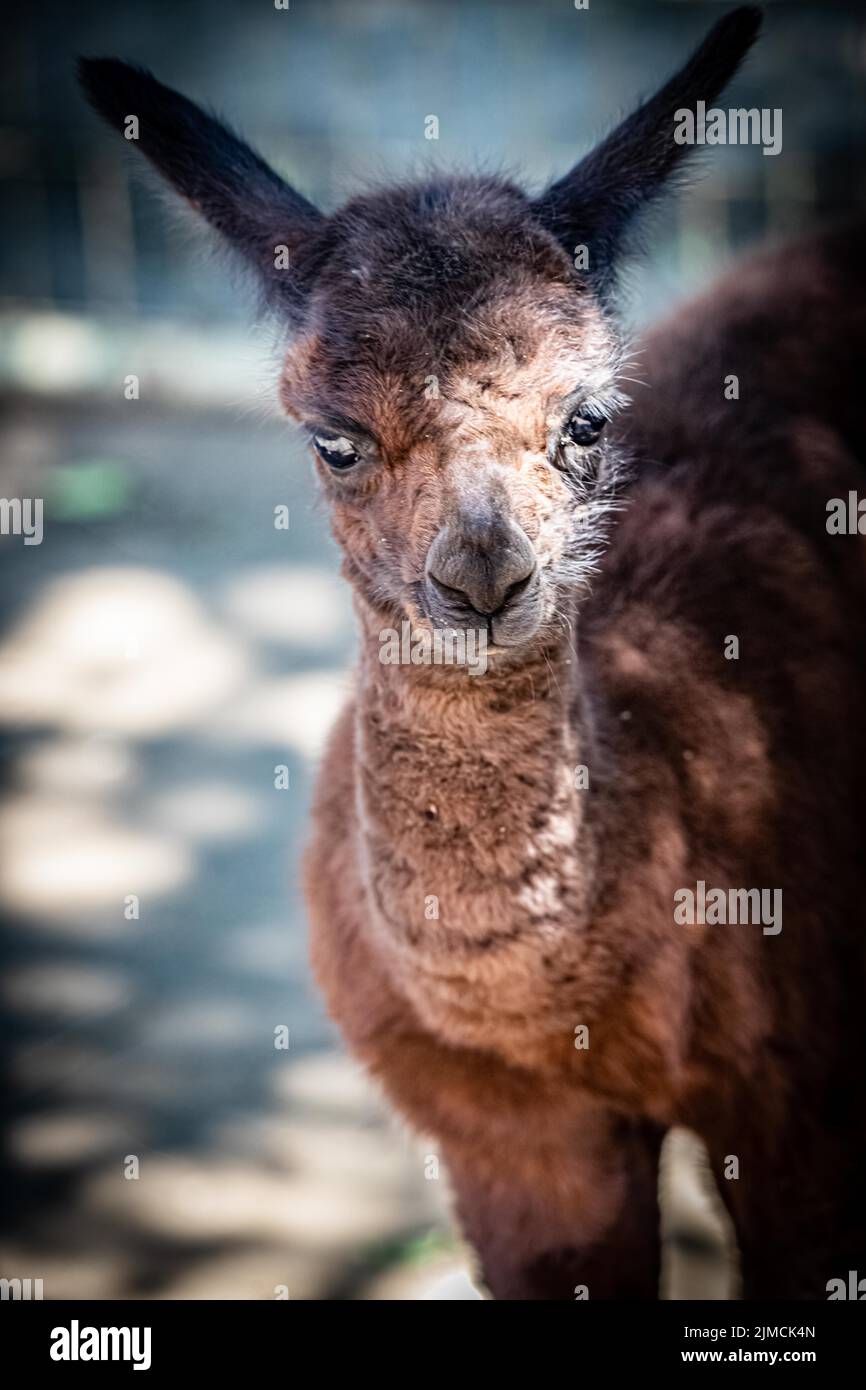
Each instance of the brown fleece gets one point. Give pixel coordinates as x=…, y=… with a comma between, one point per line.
x=554, y=904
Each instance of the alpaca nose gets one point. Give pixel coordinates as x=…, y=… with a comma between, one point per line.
x=481, y=561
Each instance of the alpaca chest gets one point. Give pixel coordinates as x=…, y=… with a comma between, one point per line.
x=475, y=897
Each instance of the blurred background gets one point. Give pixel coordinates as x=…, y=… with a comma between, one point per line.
x=180, y=1121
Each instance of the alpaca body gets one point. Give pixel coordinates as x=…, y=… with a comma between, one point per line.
x=554, y=903
x=499, y=860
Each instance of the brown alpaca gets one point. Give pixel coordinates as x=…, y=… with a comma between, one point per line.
x=499, y=859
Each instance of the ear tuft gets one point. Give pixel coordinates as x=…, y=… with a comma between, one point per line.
x=596, y=202
x=211, y=167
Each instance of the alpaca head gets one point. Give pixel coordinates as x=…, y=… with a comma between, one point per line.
x=453, y=358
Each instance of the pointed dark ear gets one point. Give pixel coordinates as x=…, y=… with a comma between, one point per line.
x=596, y=202
x=264, y=219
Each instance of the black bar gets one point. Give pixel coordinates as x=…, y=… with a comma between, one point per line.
x=239, y=1337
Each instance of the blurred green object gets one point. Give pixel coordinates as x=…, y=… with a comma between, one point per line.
x=414, y=1249
x=424, y=1247
x=85, y=491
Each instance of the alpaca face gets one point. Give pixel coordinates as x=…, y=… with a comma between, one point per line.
x=455, y=375
x=452, y=368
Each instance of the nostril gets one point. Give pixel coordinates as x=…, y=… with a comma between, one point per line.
x=447, y=590
x=518, y=587
x=464, y=574
x=458, y=603
x=487, y=601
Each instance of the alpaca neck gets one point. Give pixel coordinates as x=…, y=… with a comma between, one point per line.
x=473, y=842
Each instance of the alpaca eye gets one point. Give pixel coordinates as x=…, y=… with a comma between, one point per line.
x=338, y=453
x=584, y=428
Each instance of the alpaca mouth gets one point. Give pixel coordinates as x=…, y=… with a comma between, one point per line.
x=514, y=623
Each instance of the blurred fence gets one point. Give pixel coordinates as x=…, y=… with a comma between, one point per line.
x=337, y=92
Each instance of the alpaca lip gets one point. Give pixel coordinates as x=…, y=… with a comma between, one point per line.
x=517, y=628
x=515, y=622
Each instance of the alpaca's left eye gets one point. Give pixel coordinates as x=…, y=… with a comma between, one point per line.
x=584, y=427
x=338, y=453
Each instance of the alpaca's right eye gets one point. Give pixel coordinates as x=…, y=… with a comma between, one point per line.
x=338, y=453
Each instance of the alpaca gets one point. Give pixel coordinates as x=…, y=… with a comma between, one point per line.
x=672, y=698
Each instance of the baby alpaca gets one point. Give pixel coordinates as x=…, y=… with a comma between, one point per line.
x=672, y=700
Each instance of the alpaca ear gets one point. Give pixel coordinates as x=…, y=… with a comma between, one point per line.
x=266, y=221
x=596, y=202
